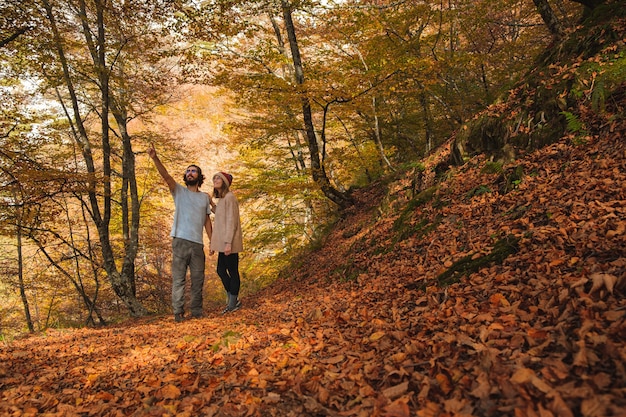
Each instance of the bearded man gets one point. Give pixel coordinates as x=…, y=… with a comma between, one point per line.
x=191, y=215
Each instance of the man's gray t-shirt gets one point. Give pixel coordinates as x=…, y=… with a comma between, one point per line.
x=190, y=214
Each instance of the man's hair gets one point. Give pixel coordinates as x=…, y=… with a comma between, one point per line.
x=200, y=175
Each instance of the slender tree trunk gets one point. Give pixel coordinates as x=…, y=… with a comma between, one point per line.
x=90, y=304
x=288, y=73
x=130, y=212
x=78, y=283
x=377, y=135
x=428, y=122
x=317, y=169
x=549, y=18
x=20, y=276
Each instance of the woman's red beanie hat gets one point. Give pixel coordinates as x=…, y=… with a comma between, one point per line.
x=226, y=177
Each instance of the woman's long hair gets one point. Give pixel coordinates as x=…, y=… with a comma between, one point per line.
x=223, y=190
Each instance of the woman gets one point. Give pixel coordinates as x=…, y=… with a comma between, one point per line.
x=227, y=239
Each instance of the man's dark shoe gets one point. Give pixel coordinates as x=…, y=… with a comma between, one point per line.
x=178, y=317
x=197, y=316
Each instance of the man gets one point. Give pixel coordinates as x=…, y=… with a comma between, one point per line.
x=191, y=214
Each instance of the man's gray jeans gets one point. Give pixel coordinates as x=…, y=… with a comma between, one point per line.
x=187, y=254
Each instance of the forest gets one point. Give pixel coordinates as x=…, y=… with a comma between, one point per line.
x=432, y=202
x=302, y=101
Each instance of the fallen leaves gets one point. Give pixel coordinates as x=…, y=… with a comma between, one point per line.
x=540, y=333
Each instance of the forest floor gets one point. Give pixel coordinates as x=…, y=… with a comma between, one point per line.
x=389, y=317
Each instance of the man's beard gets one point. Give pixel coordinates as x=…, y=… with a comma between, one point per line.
x=191, y=182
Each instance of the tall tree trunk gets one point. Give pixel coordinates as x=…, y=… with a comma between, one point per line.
x=317, y=168
x=428, y=122
x=376, y=128
x=549, y=18
x=20, y=276
x=130, y=212
x=122, y=283
x=288, y=73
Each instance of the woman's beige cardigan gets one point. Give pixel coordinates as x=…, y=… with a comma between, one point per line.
x=227, y=225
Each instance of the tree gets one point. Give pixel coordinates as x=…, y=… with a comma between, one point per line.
x=100, y=210
x=317, y=168
x=15, y=200
x=105, y=64
x=549, y=17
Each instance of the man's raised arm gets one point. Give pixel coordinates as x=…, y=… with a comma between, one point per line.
x=171, y=182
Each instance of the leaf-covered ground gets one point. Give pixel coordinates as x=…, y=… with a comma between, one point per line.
x=490, y=291
x=363, y=327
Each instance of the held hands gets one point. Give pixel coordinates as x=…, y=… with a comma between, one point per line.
x=152, y=151
x=227, y=249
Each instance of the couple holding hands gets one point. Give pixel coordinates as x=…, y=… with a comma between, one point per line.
x=192, y=214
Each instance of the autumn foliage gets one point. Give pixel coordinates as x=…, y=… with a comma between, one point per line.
x=362, y=327
x=486, y=289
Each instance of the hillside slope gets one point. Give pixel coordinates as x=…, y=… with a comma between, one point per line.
x=480, y=290
x=363, y=327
